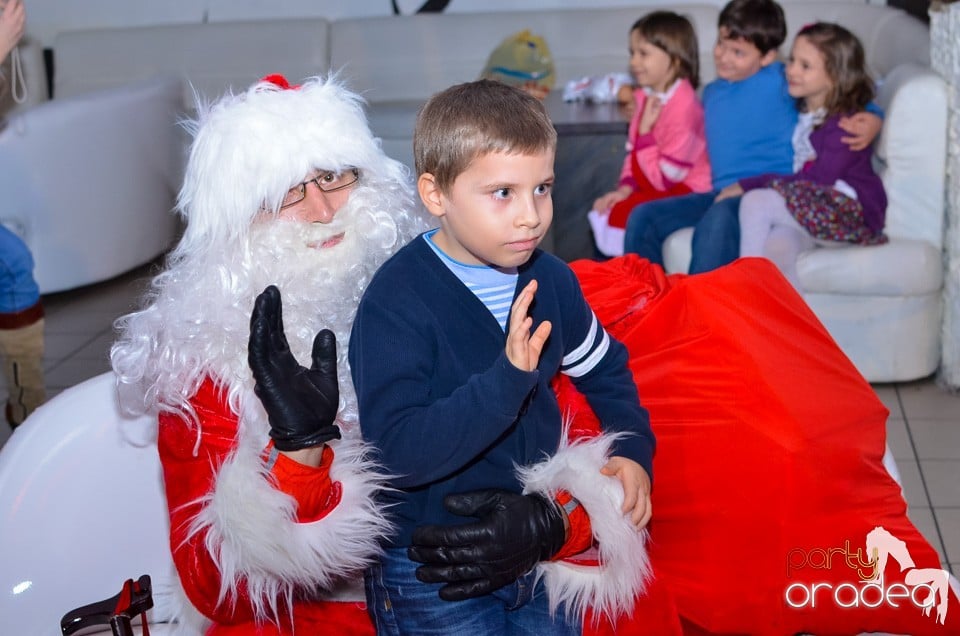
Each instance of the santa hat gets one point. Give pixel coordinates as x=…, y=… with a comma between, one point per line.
x=249, y=149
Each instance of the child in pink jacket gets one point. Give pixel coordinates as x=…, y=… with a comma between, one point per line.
x=666, y=146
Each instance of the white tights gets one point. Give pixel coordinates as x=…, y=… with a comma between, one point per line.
x=768, y=229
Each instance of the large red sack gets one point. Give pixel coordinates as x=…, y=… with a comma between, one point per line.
x=768, y=472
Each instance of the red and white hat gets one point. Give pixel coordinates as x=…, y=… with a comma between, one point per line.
x=249, y=149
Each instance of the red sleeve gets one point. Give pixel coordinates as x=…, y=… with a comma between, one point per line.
x=313, y=489
x=190, y=468
x=189, y=476
x=580, y=537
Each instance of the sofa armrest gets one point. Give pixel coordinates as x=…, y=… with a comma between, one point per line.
x=911, y=152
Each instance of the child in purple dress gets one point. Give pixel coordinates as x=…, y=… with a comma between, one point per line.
x=834, y=196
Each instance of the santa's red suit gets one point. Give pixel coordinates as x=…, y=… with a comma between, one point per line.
x=327, y=525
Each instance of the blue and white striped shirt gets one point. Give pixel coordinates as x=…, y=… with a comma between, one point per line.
x=494, y=286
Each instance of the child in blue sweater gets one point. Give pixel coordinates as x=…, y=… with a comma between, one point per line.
x=453, y=348
x=749, y=119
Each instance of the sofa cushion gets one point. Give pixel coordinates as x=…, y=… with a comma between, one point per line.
x=677, y=251
x=911, y=152
x=902, y=267
x=888, y=338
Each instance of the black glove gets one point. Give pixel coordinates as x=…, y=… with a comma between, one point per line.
x=301, y=403
x=515, y=532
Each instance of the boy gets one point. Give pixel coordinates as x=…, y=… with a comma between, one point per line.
x=453, y=348
x=749, y=121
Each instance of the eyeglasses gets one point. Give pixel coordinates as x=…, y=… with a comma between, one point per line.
x=327, y=182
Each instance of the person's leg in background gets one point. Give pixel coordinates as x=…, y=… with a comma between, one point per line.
x=21, y=329
x=783, y=247
x=651, y=223
x=759, y=211
x=768, y=229
x=22, y=353
x=716, y=238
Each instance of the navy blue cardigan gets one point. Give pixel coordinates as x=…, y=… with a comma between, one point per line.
x=443, y=405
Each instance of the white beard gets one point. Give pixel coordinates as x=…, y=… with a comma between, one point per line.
x=197, y=324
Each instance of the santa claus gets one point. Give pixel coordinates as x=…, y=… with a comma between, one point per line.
x=270, y=490
x=291, y=205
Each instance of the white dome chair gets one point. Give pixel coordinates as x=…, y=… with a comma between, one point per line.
x=81, y=511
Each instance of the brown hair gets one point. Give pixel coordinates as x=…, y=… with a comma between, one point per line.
x=760, y=22
x=846, y=65
x=673, y=33
x=470, y=120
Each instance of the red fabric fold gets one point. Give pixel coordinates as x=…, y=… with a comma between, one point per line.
x=769, y=453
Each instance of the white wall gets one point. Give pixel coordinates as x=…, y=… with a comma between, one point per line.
x=45, y=18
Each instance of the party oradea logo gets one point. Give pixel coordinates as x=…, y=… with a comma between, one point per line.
x=927, y=589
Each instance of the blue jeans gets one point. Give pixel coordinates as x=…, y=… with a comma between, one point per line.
x=716, y=234
x=399, y=604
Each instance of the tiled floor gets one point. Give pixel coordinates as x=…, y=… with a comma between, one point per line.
x=923, y=429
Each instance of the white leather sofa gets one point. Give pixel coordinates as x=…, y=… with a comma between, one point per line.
x=882, y=304
x=89, y=181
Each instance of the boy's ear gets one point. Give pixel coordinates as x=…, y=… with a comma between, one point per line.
x=769, y=57
x=430, y=194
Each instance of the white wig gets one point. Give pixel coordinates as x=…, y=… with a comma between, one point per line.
x=248, y=150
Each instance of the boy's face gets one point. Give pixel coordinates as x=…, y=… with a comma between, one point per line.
x=737, y=59
x=497, y=210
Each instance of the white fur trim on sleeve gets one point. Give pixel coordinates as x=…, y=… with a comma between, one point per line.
x=254, y=537
x=624, y=567
x=172, y=608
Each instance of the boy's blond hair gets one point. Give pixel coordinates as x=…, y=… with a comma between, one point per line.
x=473, y=119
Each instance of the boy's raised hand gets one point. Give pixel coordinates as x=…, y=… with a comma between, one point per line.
x=636, y=489
x=524, y=348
